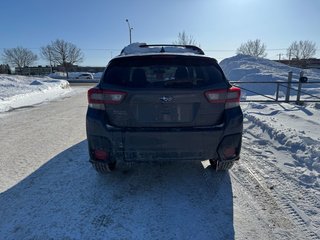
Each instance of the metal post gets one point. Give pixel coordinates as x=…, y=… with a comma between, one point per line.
x=277, y=93
x=130, y=29
x=299, y=88
x=289, y=57
x=289, y=86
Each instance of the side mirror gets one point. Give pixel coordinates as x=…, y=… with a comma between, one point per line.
x=303, y=79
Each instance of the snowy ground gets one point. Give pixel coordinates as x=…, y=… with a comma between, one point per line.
x=48, y=190
x=21, y=91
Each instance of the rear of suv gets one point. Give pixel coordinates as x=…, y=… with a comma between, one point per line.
x=163, y=103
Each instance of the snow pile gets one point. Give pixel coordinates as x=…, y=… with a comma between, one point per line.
x=58, y=75
x=246, y=68
x=288, y=138
x=97, y=75
x=284, y=134
x=20, y=91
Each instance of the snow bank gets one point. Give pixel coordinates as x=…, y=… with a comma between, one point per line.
x=97, y=75
x=58, y=75
x=20, y=91
x=246, y=68
x=287, y=132
x=288, y=129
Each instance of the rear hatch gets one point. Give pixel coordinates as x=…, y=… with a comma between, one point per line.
x=164, y=91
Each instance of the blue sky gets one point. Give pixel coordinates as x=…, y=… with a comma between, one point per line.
x=99, y=28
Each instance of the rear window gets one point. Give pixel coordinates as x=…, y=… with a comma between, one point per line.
x=163, y=72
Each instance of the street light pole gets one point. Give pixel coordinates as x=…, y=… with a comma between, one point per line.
x=130, y=28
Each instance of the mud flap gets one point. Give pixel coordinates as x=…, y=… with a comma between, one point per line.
x=224, y=165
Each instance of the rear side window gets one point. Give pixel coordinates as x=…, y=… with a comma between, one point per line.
x=163, y=72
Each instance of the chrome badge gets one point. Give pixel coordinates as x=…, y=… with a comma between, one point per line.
x=166, y=99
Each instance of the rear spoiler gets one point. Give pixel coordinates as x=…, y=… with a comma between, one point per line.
x=156, y=48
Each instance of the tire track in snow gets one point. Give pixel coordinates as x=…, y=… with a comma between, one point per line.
x=297, y=216
x=279, y=226
x=286, y=193
x=287, y=182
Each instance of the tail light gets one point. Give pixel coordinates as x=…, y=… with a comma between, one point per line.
x=229, y=152
x=231, y=97
x=100, y=154
x=230, y=146
x=98, y=98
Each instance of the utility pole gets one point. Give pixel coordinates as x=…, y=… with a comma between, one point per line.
x=130, y=29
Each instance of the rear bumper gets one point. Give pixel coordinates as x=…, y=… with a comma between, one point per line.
x=172, y=144
x=162, y=144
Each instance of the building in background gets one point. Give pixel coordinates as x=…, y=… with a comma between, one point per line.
x=46, y=70
x=302, y=63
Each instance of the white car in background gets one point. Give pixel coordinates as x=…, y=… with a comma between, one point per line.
x=85, y=76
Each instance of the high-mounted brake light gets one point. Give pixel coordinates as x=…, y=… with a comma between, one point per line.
x=231, y=96
x=99, y=98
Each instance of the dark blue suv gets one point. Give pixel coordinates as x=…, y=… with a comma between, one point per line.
x=163, y=103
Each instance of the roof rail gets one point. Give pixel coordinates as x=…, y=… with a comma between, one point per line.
x=157, y=48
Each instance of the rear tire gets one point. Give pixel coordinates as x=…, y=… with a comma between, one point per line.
x=221, y=165
x=104, y=168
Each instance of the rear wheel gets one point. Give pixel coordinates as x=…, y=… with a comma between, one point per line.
x=104, y=168
x=221, y=165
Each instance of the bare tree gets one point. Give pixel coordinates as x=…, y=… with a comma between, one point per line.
x=253, y=48
x=19, y=57
x=46, y=53
x=301, y=50
x=62, y=53
x=184, y=39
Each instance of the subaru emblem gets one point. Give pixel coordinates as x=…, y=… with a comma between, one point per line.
x=166, y=99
